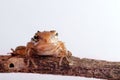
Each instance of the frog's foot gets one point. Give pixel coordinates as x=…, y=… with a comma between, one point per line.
x=69, y=61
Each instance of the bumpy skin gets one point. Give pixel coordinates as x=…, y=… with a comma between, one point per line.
x=45, y=43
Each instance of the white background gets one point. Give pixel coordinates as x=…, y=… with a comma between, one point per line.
x=89, y=28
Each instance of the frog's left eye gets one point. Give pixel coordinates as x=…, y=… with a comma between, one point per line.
x=56, y=34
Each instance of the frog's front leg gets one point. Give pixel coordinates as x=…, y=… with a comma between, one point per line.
x=30, y=59
x=29, y=51
x=66, y=57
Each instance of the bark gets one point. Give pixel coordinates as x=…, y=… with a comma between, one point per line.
x=50, y=65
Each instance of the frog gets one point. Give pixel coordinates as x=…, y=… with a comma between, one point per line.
x=47, y=43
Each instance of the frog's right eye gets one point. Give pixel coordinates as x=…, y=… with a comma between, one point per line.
x=56, y=34
x=36, y=37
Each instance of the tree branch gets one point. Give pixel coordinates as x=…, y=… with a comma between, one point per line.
x=50, y=65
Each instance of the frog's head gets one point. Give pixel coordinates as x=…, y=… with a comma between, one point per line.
x=46, y=36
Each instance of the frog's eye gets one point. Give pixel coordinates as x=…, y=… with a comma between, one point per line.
x=56, y=34
x=36, y=37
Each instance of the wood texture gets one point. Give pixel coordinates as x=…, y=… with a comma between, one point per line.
x=50, y=65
